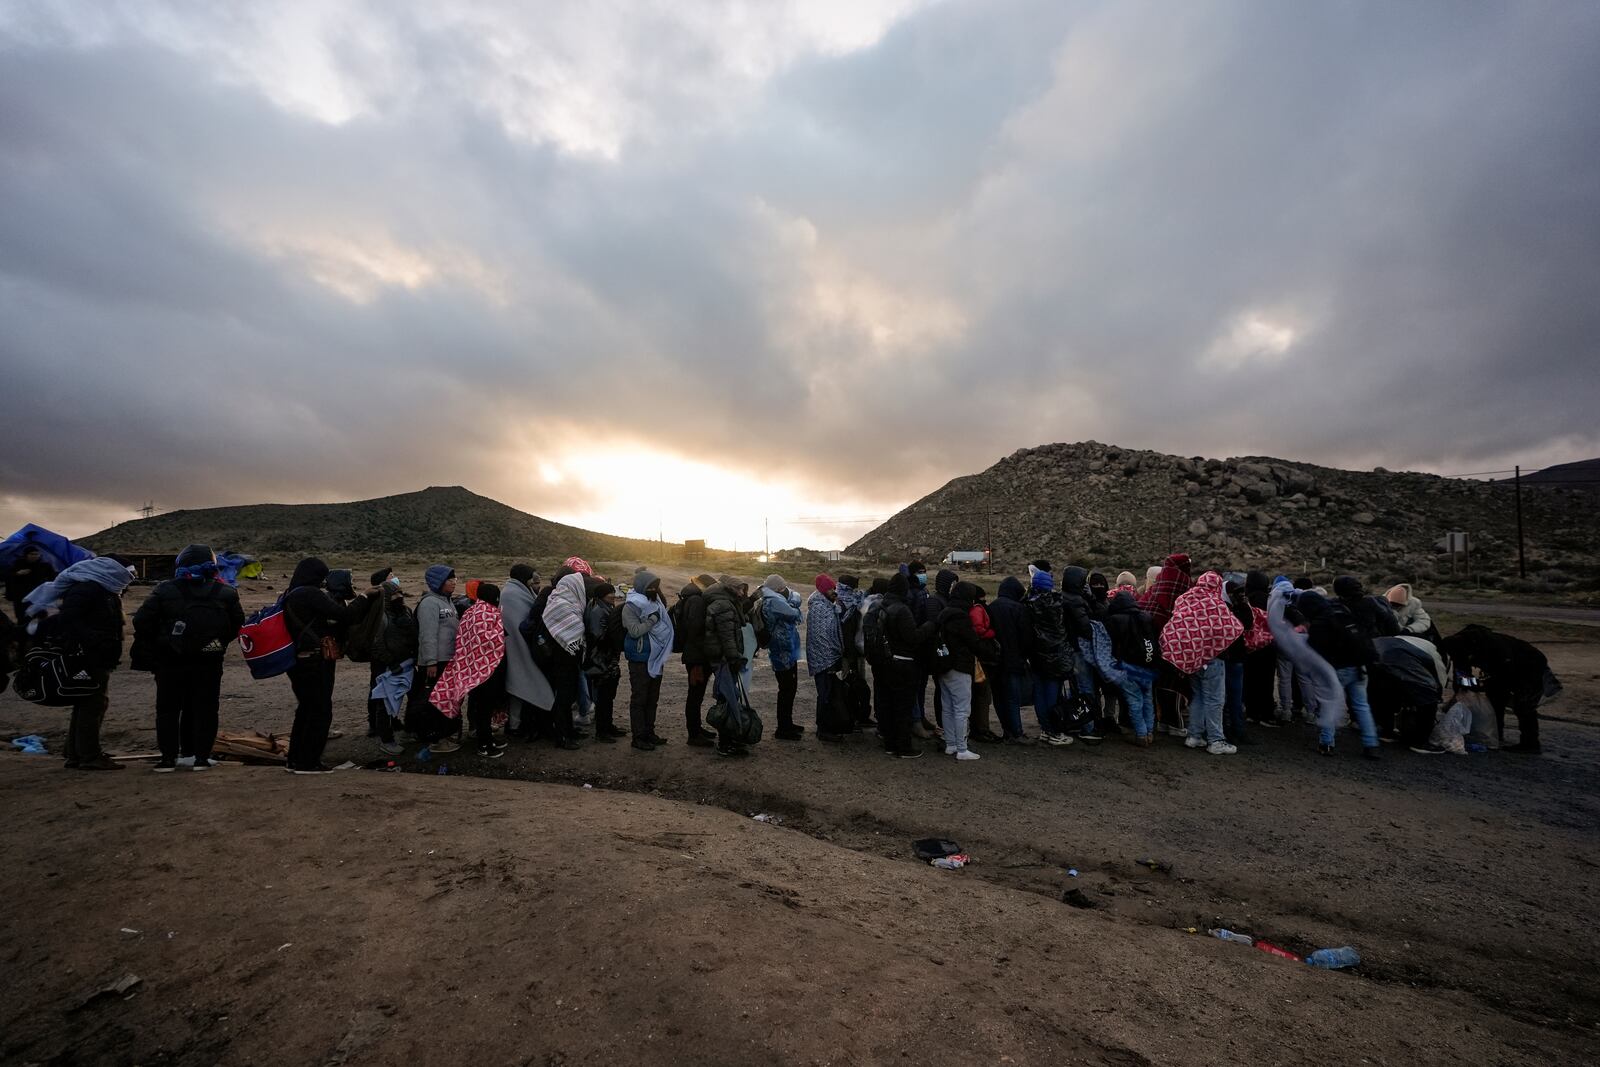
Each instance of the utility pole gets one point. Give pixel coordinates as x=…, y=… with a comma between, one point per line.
x=148, y=510
x=988, y=518
x=1522, y=559
x=766, y=536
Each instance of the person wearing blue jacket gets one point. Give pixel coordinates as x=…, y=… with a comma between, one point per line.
x=780, y=607
x=824, y=648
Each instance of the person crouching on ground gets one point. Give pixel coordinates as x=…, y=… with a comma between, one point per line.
x=780, y=609
x=187, y=624
x=824, y=647
x=648, y=645
x=476, y=673
x=602, y=656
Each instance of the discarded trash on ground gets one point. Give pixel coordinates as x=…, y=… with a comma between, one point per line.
x=1078, y=899
x=123, y=987
x=775, y=820
x=1229, y=935
x=31, y=745
x=127, y=930
x=1273, y=950
x=951, y=863
x=1155, y=865
x=1334, y=959
x=1072, y=872
x=932, y=848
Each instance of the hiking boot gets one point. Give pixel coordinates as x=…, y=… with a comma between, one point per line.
x=612, y=732
x=1190, y=741
x=606, y=739
x=986, y=737
x=1146, y=740
x=642, y=745
x=967, y=755
x=1325, y=750
x=1221, y=748
x=490, y=752
x=99, y=763
x=1429, y=750
x=789, y=733
x=908, y=753
x=1374, y=752
x=444, y=747
x=166, y=766
x=701, y=741
x=657, y=740
x=567, y=744
x=391, y=748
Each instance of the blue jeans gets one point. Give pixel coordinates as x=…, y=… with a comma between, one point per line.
x=584, y=702
x=1138, y=688
x=1205, y=705
x=1354, y=680
x=1008, y=702
x=1046, y=693
x=1233, y=676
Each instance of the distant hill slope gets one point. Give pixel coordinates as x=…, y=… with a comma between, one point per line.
x=439, y=521
x=1102, y=505
x=1585, y=473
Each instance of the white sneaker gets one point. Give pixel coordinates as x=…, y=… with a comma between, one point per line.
x=1221, y=748
x=1059, y=740
x=967, y=755
x=200, y=765
x=186, y=761
x=1192, y=741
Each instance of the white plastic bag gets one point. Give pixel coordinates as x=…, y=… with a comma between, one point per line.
x=1450, y=731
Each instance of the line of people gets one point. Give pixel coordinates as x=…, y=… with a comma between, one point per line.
x=1091, y=657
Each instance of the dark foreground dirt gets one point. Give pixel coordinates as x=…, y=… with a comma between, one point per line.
x=376, y=918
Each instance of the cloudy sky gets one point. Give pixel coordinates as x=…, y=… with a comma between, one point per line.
x=685, y=266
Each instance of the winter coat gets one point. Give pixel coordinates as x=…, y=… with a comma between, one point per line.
x=782, y=614
x=721, y=640
x=91, y=623
x=173, y=600
x=1512, y=668
x=1075, y=605
x=1128, y=626
x=605, y=626
x=956, y=629
x=399, y=641
x=1050, y=654
x=524, y=680
x=437, y=623
x=1009, y=617
x=824, y=638
x=1373, y=613
x=1328, y=635
x=692, y=624
x=899, y=627
x=1315, y=674
x=1410, y=616
x=311, y=614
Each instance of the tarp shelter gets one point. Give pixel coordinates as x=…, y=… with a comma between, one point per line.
x=57, y=550
x=235, y=565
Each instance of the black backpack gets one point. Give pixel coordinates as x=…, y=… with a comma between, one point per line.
x=365, y=638
x=1137, y=641
x=1352, y=637
x=51, y=676
x=758, y=622
x=875, y=641
x=202, y=625
x=850, y=633
x=675, y=613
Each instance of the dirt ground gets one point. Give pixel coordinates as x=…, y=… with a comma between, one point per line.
x=505, y=914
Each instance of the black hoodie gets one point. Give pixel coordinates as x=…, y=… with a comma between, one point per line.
x=311, y=614
x=955, y=627
x=1134, y=636
x=1009, y=617
x=1075, y=604
x=899, y=624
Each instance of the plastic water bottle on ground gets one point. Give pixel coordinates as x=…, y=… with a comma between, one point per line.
x=1334, y=959
x=1229, y=935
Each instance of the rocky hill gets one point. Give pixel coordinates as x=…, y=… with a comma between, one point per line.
x=1115, y=507
x=437, y=522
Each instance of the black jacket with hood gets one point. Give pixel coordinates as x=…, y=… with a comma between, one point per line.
x=311, y=614
x=955, y=627
x=1075, y=604
x=1009, y=617
x=91, y=622
x=899, y=623
x=692, y=620
x=1130, y=628
x=1049, y=654
x=721, y=641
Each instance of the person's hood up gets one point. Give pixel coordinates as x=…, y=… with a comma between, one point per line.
x=1042, y=581
x=1313, y=605
x=1179, y=560
x=579, y=564
x=775, y=583
x=1256, y=588
x=1072, y=580
x=1211, y=582
x=341, y=585
x=1398, y=595
x=1122, y=601
x=310, y=571
x=944, y=581
x=196, y=555
x=964, y=594
x=1011, y=589
x=521, y=572
x=732, y=584
x=879, y=587
x=692, y=589
x=1347, y=587
x=899, y=585
x=642, y=581
x=1099, y=583
x=437, y=575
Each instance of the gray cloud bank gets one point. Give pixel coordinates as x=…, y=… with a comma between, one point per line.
x=1349, y=234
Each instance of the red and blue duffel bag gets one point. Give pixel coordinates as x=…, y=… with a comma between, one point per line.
x=264, y=639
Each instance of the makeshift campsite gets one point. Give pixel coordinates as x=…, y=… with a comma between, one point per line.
x=234, y=566
x=57, y=550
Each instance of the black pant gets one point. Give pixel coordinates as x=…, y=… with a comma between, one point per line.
x=563, y=676
x=1416, y=722
x=603, y=699
x=788, y=683
x=427, y=722
x=895, y=721
x=1526, y=708
x=880, y=694
x=311, y=678
x=187, y=697
x=488, y=698
x=83, y=730
x=1260, y=681
x=695, y=699
x=644, y=693
x=378, y=717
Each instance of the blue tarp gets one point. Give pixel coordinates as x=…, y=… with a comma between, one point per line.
x=56, y=549
x=229, y=564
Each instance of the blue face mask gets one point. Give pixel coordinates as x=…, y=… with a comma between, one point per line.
x=922, y=580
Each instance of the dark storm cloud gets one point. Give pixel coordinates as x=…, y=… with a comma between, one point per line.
x=1346, y=234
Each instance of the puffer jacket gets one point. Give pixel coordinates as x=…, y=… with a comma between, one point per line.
x=692, y=624
x=1050, y=654
x=721, y=640
x=1009, y=617
x=1412, y=618
x=934, y=605
x=1075, y=604
x=782, y=614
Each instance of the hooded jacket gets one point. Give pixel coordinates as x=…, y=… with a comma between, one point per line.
x=721, y=640
x=1409, y=614
x=1512, y=668
x=956, y=630
x=1009, y=617
x=1049, y=653
x=692, y=624
x=179, y=599
x=934, y=603
x=782, y=614
x=311, y=614
x=899, y=624
x=91, y=621
x=1168, y=586
x=1202, y=626
x=437, y=620
x=1075, y=604
x=1328, y=635
x=1372, y=613
x=1135, y=639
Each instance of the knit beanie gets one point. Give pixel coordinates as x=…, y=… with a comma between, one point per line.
x=489, y=593
x=1040, y=580
x=849, y=581
x=521, y=572
x=775, y=583
x=1398, y=595
x=825, y=584
x=1126, y=578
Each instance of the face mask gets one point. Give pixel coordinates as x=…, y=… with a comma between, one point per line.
x=922, y=580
